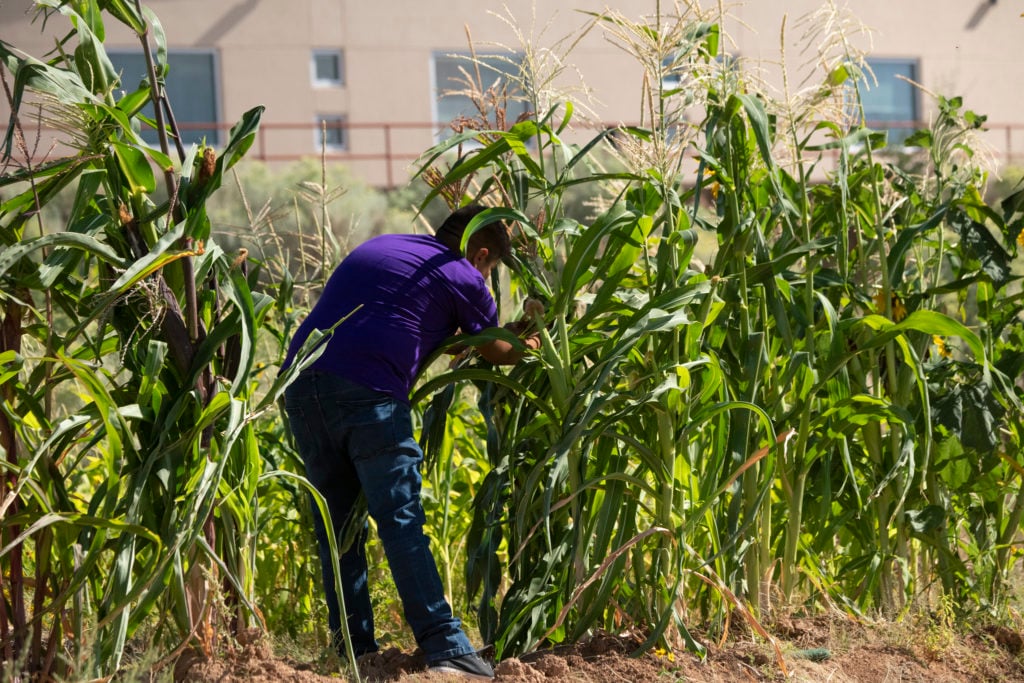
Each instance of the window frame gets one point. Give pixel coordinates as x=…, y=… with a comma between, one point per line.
x=343, y=132
x=314, y=75
x=215, y=80
x=874, y=82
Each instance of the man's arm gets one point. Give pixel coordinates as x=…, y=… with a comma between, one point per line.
x=500, y=352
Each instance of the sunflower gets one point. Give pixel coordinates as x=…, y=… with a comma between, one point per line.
x=899, y=311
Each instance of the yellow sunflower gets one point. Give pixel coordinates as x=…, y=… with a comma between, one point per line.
x=899, y=311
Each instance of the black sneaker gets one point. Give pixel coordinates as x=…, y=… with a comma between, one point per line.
x=469, y=666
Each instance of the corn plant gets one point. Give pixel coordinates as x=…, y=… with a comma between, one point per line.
x=131, y=397
x=821, y=410
x=787, y=421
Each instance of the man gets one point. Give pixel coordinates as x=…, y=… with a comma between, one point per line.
x=349, y=414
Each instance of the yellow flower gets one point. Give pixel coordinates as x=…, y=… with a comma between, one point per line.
x=899, y=311
x=1020, y=238
x=711, y=180
x=940, y=344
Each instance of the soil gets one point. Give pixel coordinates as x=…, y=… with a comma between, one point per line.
x=833, y=649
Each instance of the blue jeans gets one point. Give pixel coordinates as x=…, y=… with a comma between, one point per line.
x=353, y=440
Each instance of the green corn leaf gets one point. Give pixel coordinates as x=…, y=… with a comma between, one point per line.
x=126, y=13
x=517, y=137
x=243, y=299
x=578, y=265
x=159, y=37
x=906, y=238
x=132, y=103
x=32, y=523
x=32, y=74
x=761, y=125
x=838, y=75
x=929, y=322
x=60, y=240
x=467, y=165
x=858, y=136
x=492, y=215
x=91, y=60
x=240, y=139
x=85, y=197
x=136, y=169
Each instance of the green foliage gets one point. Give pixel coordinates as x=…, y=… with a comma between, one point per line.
x=822, y=410
x=798, y=415
x=133, y=403
x=293, y=196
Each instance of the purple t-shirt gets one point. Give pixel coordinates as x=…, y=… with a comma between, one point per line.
x=414, y=292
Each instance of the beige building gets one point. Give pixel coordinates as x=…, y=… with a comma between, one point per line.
x=373, y=71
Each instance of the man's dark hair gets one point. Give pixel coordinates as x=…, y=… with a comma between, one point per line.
x=494, y=236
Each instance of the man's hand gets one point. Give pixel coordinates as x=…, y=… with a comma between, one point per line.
x=519, y=327
x=459, y=354
x=503, y=353
x=533, y=317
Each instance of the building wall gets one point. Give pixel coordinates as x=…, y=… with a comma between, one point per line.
x=263, y=49
x=972, y=48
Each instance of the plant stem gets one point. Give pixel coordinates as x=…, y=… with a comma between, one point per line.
x=12, y=625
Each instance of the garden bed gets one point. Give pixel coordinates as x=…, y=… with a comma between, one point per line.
x=814, y=649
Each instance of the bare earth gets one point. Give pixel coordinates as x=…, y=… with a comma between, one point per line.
x=832, y=649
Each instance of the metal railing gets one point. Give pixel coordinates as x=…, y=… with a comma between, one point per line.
x=391, y=146
x=383, y=152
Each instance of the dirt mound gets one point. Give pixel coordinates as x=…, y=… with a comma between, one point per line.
x=813, y=649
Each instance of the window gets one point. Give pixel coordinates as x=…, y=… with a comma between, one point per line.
x=191, y=86
x=891, y=101
x=328, y=68
x=331, y=132
x=451, y=97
